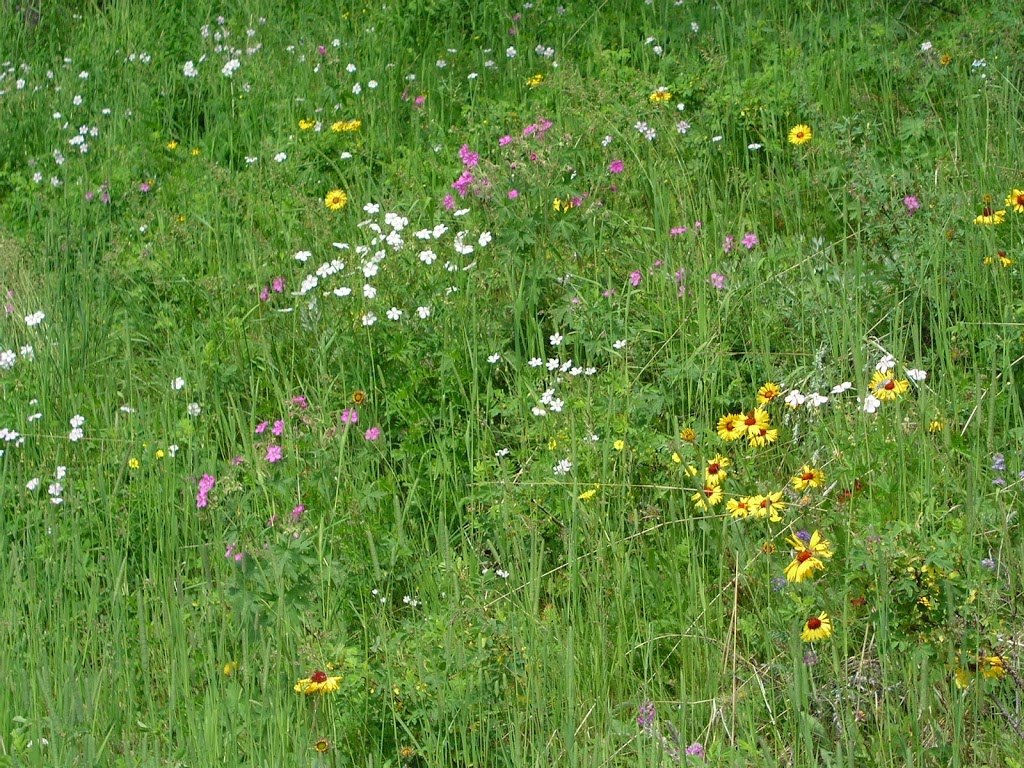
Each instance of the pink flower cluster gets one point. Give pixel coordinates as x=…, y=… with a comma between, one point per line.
x=277, y=286
x=206, y=483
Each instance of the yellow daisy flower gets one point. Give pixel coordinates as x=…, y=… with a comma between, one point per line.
x=715, y=472
x=707, y=497
x=1015, y=200
x=336, y=199
x=808, y=477
x=885, y=386
x=739, y=508
x=768, y=392
x=817, y=628
x=808, y=557
x=800, y=134
x=318, y=682
x=730, y=427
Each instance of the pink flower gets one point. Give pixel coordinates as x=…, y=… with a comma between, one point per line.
x=300, y=401
x=677, y=231
x=261, y=427
x=461, y=184
x=278, y=284
x=912, y=204
x=349, y=416
x=321, y=49
x=298, y=512
x=418, y=101
x=635, y=277
x=609, y=293
x=264, y=294
x=750, y=240
x=504, y=141
x=469, y=159
x=237, y=461
x=717, y=280
x=278, y=428
x=449, y=202
x=727, y=245
x=513, y=194
x=373, y=433
x=206, y=483
x=616, y=166
x=274, y=453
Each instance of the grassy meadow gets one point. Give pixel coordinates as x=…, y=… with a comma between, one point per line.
x=496, y=384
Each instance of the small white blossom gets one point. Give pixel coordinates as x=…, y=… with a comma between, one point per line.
x=815, y=400
x=555, y=339
x=916, y=374
x=871, y=404
x=34, y=319
x=492, y=359
x=178, y=384
x=838, y=389
x=190, y=69
x=535, y=362
x=280, y=157
x=795, y=398
x=32, y=484
x=369, y=319
x=619, y=344
x=423, y=312
x=394, y=314
x=194, y=409
x=563, y=467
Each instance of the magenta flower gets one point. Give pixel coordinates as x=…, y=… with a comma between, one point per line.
x=513, y=194
x=912, y=204
x=469, y=159
x=264, y=294
x=418, y=101
x=278, y=428
x=635, y=277
x=695, y=750
x=349, y=416
x=616, y=166
x=677, y=231
x=237, y=461
x=750, y=240
x=298, y=512
x=504, y=140
x=274, y=453
x=727, y=244
x=321, y=49
x=144, y=187
x=261, y=427
x=449, y=202
x=373, y=433
x=461, y=184
x=206, y=483
x=300, y=401
x=278, y=284
x=717, y=280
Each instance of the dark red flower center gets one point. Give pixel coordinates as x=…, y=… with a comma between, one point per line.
x=808, y=476
x=803, y=556
x=890, y=384
x=319, y=676
x=709, y=490
x=986, y=211
x=1019, y=200
x=799, y=134
x=750, y=421
x=814, y=623
x=713, y=469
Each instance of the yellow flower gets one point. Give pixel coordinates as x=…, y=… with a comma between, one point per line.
x=358, y=397
x=991, y=668
x=1004, y=260
x=587, y=495
x=305, y=125
x=322, y=745
x=336, y=199
x=172, y=144
x=945, y=59
x=885, y=386
x=691, y=471
x=346, y=126
x=768, y=392
x=731, y=427
x=936, y=425
x=660, y=96
x=800, y=134
x=740, y=508
x=534, y=81
x=1015, y=200
x=318, y=682
x=181, y=219
x=677, y=458
x=687, y=435
x=196, y=151
x=160, y=453
x=133, y=463
x=406, y=754
x=230, y=668
x=707, y=497
x=552, y=444
x=618, y=445
x=817, y=628
x=808, y=557
x=715, y=472
x=769, y=506
x=988, y=217
x=808, y=477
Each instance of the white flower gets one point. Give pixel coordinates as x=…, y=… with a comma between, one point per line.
x=350, y=68
x=372, y=208
x=75, y=435
x=357, y=89
x=815, y=400
x=755, y=145
x=501, y=573
x=563, y=467
x=484, y=239
x=423, y=312
x=428, y=257
x=32, y=484
x=838, y=389
x=547, y=396
x=555, y=339
x=34, y=319
x=502, y=453
x=127, y=409
x=510, y=52
x=280, y=157
x=716, y=138
x=250, y=159
x=619, y=344
x=229, y=68
x=341, y=291
x=394, y=313
x=871, y=404
x=535, y=362
x=926, y=45
x=372, y=84
x=369, y=270
x=55, y=489
x=589, y=371
x=886, y=364
x=556, y=405
x=492, y=359
x=441, y=63
x=439, y=230
x=61, y=472
x=172, y=450
x=369, y=291
x=916, y=374
x=553, y=363
x=34, y=417
x=369, y=319
x=190, y=69
x=795, y=399
x=56, y=500
x=194, y=409
x=7, y=359
x=538, y=411
x=76, y=421
x=695, y=27
x=302, y=256
x=178, y=384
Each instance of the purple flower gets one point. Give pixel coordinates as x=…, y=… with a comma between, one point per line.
x=635, y=277
x=278, y=428
x=298, y=512
x=645, y=716
x=461, y=185
x=349, y=416
x=449, y=202
x=264, y=294
x=695, y=750
x=999, y=481
x=206, y=483
x=727, y=243
x=717, y=280
x=810, y=658
x=278, y=284
x=998, y=462
x=779, y=584
x=300, y=401
x=912, y=204
x=261, y=427
x=513, y=194
x=750, y=240
x=144, y=187
x=616, y=166
x=88, y=195
x=274, y=453
x=372, y=434
x=469, y=159
x=804, y=536
x=504, y=140
x=988, y=564
x=677, y=231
